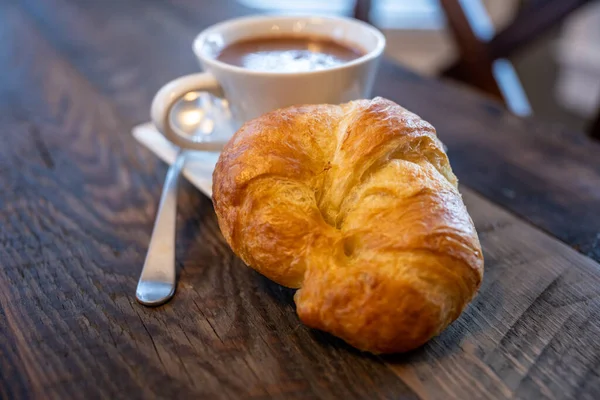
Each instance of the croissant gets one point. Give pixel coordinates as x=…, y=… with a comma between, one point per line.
x=357, y=206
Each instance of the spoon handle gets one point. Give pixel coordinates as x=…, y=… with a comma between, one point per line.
x=157, y=281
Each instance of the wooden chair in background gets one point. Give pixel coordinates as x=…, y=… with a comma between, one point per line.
x=483, y=52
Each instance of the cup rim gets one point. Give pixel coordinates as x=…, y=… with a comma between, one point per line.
x=213, y=62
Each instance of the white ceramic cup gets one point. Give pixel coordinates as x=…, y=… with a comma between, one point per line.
x=251, y=93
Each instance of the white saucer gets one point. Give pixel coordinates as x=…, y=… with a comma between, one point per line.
x=199, y=166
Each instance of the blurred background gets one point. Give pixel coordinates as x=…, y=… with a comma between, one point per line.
x=538, y=56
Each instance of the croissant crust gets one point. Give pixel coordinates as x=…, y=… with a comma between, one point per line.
x=357, y=206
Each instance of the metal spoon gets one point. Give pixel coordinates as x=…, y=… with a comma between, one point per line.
x=157, y=281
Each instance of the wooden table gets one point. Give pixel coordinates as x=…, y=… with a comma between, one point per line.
x=78, y=199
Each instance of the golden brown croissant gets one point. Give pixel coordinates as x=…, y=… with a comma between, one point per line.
x=358, y=207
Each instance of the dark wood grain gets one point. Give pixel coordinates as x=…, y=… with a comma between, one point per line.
x=78, y=201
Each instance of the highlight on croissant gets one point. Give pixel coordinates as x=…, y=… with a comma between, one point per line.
x=356, y=205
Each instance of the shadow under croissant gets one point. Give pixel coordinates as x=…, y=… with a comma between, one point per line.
x=192, y=227
x=285, y=298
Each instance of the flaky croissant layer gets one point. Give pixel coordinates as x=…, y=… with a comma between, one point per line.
x=357, y=206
